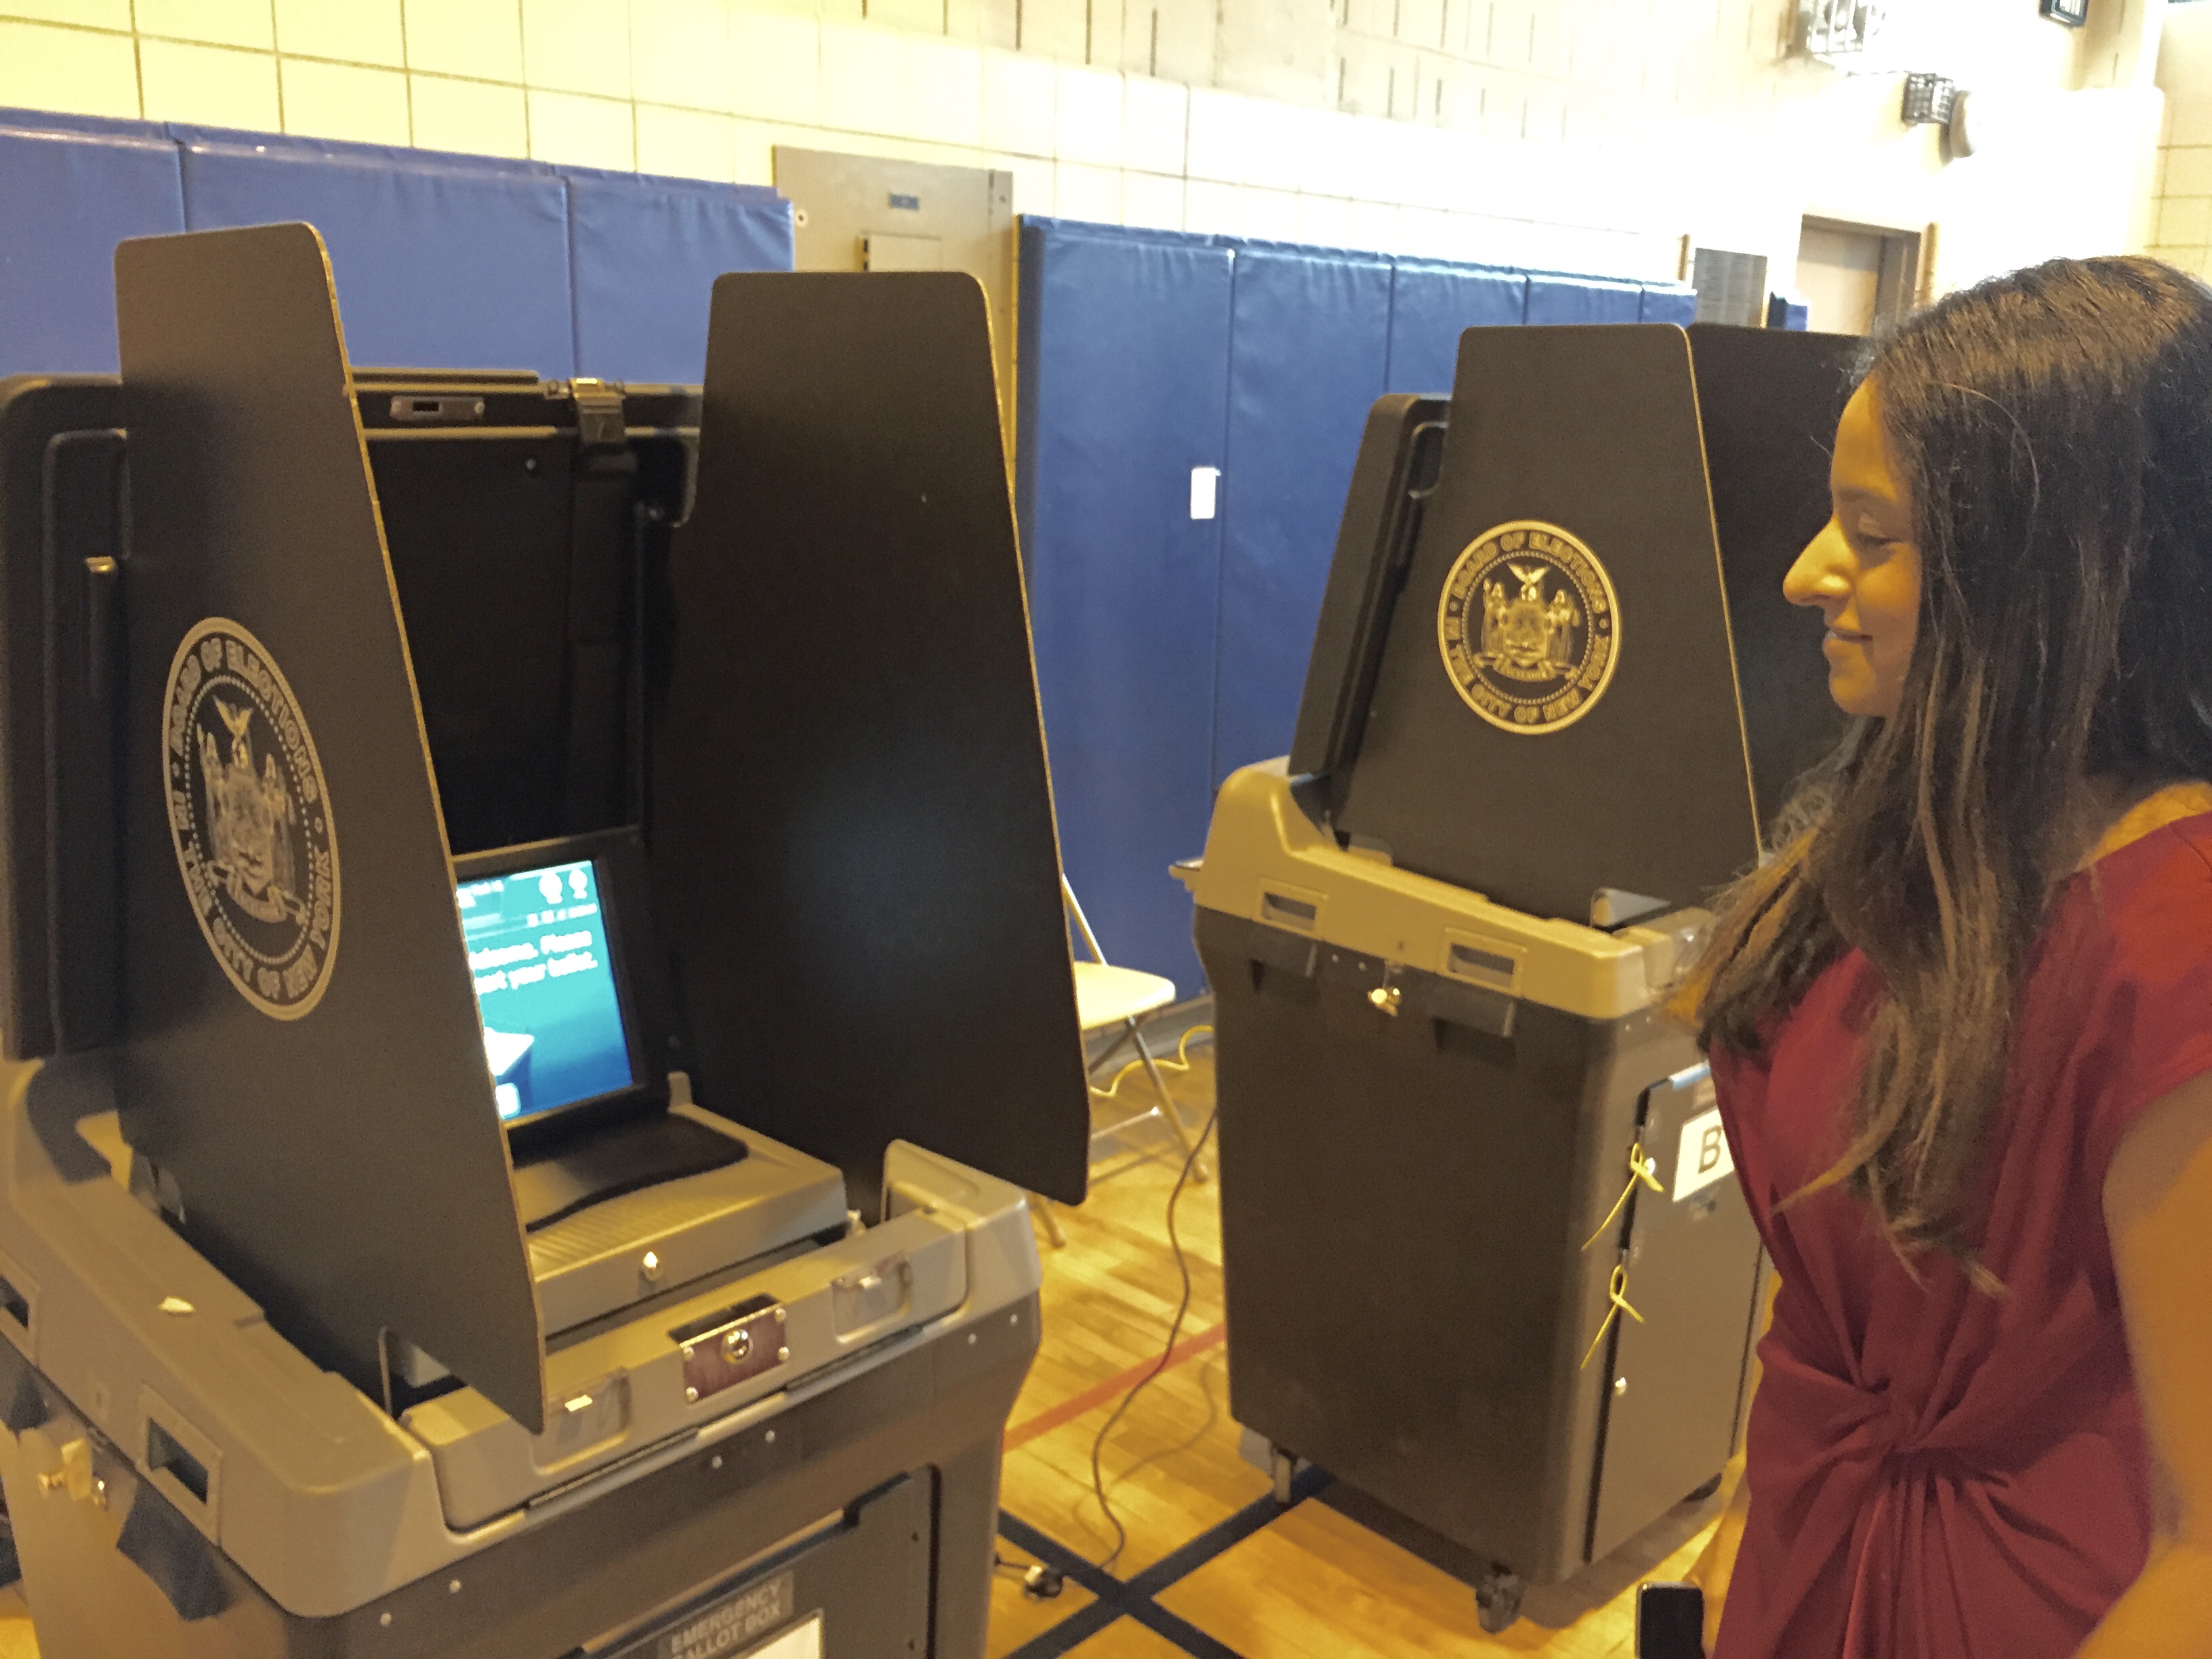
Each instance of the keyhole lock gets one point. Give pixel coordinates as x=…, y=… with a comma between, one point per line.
x=1386, y=999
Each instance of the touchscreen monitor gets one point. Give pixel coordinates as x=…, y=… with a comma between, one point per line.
x=554, y=1027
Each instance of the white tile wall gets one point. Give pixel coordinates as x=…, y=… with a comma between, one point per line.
x=679, y=53
x=590, y=133
x=470, y=116
x=775, y=67
x=1275, y=137
x=2187, y=172
x=1082, y=191
x=480, y=39
x=577, y=46
x=1431, y=231
x=1021, y=98
x=1033, y=181
x=687, y=143
x=1088, y=128
x=708, y=87
x=213, y=22
x=1217, y=135
x=2185, y=221
x=1152, y=200
x=90, y=14
x=345, y=101
x=1326, y=220
x=755, y=149
x=1331, y=168
x=71, y=71
x=213, y=86
x=1155, y=120
x=864, y=83
x=1273, y=214
x=944, y=93
x=1215, y=208
x=1375, y=224
x=347, y=31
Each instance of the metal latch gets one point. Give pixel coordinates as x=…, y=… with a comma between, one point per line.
x=868, y=1296
x=75, y=1476
x=599, y=423
x=731, y=1353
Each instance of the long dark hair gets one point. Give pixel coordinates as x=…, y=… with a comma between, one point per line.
x=2054, y=427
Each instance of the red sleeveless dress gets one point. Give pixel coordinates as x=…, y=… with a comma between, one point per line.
x=1935, y=1473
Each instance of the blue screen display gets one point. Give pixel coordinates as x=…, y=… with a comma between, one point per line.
x=545, y=985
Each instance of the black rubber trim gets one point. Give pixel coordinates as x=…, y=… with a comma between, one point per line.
x=1136, y=1598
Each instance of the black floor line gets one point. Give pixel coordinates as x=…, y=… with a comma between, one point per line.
x=1136, y=1598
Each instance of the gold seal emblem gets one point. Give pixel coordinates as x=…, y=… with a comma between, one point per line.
x=1529, y=627
x=250, y=818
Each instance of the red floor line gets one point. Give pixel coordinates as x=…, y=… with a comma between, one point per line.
x=1073, y=1408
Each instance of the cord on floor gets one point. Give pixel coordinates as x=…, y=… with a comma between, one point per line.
x=1175, y=1329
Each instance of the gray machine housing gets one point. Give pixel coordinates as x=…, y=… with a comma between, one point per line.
x=182, y=1480
x=1457, y=1088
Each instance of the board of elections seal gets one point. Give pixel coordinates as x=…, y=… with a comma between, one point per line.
x=250, y=818
x=1529, y=627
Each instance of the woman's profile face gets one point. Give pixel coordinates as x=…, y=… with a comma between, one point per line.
x=1862, y=571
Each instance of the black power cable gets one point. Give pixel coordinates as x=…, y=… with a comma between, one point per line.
x=1166, y=1353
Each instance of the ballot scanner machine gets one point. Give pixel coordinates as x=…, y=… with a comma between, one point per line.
x=486, y=1167
x=1485, y=1261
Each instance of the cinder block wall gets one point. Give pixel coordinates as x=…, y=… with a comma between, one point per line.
x=1582, y=134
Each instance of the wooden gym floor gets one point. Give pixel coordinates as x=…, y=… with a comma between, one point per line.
x=1211, y=1566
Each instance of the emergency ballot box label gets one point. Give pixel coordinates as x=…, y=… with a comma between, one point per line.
x=733, y=1627
x=1703, y=1157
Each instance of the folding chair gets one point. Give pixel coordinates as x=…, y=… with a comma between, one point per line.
x=1110, y=998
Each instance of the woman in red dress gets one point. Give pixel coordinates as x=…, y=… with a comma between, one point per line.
x=1961, y=1022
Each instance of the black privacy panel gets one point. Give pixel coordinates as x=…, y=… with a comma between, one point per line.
x=479, y=531
x=302, y=1052
x=1556, y=711
x=1770, y=398
x=851, y=832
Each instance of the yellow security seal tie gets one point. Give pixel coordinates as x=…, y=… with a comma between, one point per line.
x=1640, y=1168
x=1617, y=1292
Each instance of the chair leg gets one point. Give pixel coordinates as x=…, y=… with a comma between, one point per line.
x=1169, y=1110
x=1091, y=1067
x=1041, y=1207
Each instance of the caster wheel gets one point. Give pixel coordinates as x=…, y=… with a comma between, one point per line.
x=1699, y=1494
x=1498, y=1601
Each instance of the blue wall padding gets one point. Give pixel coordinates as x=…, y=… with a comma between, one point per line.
x=1125, y=344
x=441, y=263
x=644, y=253
x=1122, y=350
x=1669, y=302
x=1431, y=306
x=67, y=197
x=1309, y=350
x=1583, y=300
